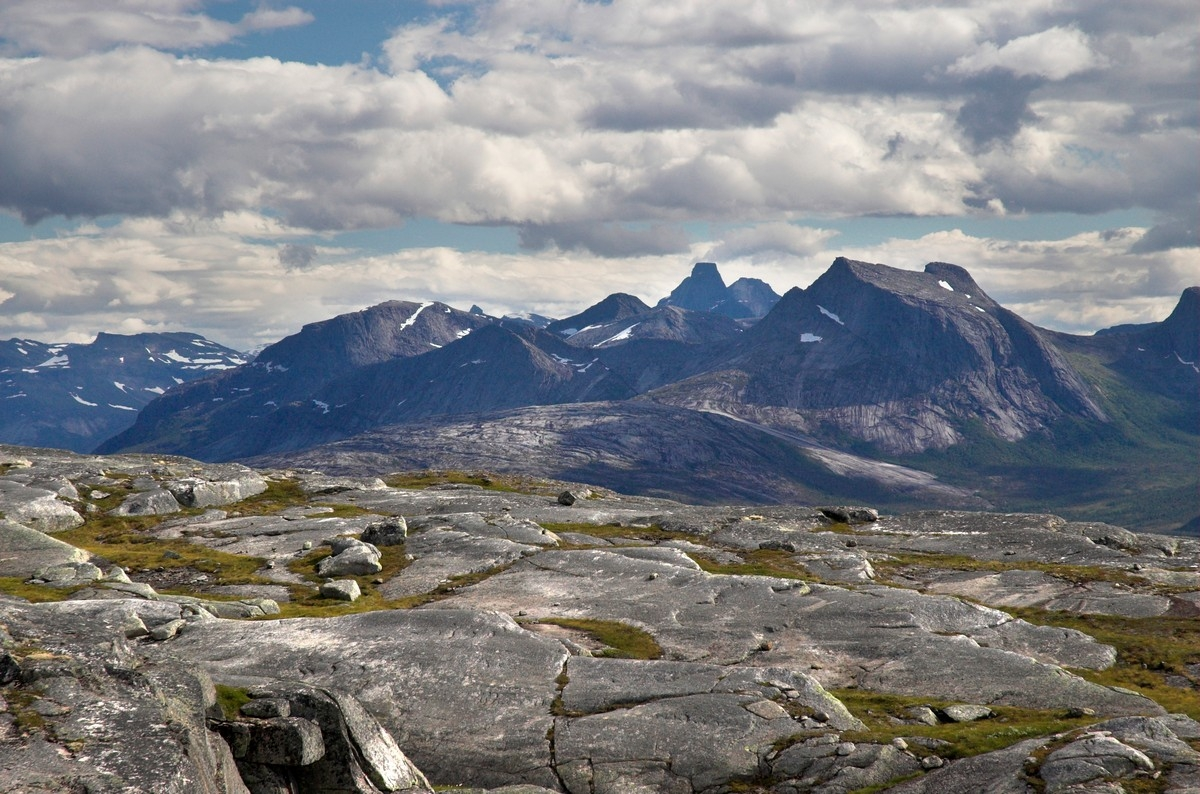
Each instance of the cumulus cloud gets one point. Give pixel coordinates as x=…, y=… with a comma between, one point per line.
x=75, y=27
x=598, y=131
x=1053, y=54
x=210, y=278
x=545, y=114
x=771, y=240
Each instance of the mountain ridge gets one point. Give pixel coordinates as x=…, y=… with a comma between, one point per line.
x=871, y=363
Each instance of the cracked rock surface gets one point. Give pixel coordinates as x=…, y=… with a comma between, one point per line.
x=504, y=641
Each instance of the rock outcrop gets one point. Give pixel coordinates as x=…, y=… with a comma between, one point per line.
x=503, y=641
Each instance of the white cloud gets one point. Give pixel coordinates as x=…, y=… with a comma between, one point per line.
x=593, y=129
x=200, y=276
x=771, y=241
x=1053, y=54
x=76, y=27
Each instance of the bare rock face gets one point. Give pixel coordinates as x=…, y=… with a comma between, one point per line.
x=25, y=551
x=37, y=508
x=92, y=715
x=643, y=645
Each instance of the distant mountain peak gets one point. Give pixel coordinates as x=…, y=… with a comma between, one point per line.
x=705, y=291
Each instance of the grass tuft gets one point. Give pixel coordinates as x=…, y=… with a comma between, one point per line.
x=759, y=562
x=880, y=711
x=623, y=641
x=231, y=699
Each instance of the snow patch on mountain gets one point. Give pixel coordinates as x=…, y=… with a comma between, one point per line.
x=409, y=322
x=830, y=315
x=618, y=337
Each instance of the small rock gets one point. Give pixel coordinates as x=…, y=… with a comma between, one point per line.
x=167, y=630
x=846, y=748
x=767, y=709
x=1076, y=712
x=966, y=713
x=307, y=545
x=932, y=762
x=343, y=590
x=899, y=743
x=923, y=715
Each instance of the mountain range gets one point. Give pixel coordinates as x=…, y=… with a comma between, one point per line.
x=904, y=388
x=73, y=396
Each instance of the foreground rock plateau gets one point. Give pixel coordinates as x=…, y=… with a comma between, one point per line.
x=169, y=625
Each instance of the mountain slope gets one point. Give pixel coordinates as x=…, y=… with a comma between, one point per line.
x=73, y=396
x=206, y=417
x=895, y=358
x=910, y=385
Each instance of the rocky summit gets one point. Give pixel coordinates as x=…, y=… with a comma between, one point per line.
x=911, y=389
x=169, y=625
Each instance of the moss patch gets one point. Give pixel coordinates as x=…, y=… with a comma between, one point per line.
x=1147, y=652
x=1009, y=725
x=623, y=641
x=231, y=699
x=759, y=562
x=34, y=593
x=126, y=541
x=415, y=480
x=1076, y=574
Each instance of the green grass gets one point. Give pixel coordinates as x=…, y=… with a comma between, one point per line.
x=125, y=541
x=33, y=593
x=231, y=699
x=1138, y=470
x=623, y=641
x=759, y=562
x=280, y=495
x=1009, y=725
x=1077, y=574
x=489, y=482
x=613, y=532
x=1148, y=650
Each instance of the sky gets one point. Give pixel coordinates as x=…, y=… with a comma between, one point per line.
x=240, y=168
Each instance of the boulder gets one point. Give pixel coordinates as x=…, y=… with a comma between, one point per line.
x=197, y=492
x=36, y=508
x=356, y=559
x=966, y=713
x=1090, y=757
x=69, y=574
x=342, y=590
x=573, y=495
x=154, y=502
x=360, y=756
x=391, y=531
x=850, y=515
